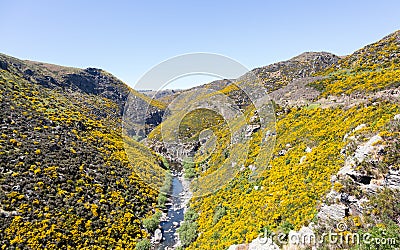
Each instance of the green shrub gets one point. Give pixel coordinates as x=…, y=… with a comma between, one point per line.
x=187, y=232
x=161, y=200
x=191, y=215
x=143, y=245
x=387, y=237
x=151, y=224
x=189, y=169
x=219, y=213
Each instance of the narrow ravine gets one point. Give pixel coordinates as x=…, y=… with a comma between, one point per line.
x=178, y=200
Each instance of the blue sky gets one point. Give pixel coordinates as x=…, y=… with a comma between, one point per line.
x=127, y=38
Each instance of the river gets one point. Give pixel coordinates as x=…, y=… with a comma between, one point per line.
x=179, y=197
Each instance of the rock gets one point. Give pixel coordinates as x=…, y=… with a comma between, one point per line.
x=158, y=236
x=363, y=150
x=332, y=195
x=250, y=129
x=256, y=244
x=164, y=217
x=371, y=189
x=238, y=247
x=263, y=244
x=360, y=178
x=252, y=168
x=392, y=179
x=359, y=127
x=335, y=212
x=333, y=179
x=359, y=156
x=302, y=238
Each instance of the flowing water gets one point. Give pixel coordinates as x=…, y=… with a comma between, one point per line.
x=174, y=216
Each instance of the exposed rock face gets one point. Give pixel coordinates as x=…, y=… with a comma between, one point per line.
x=304, y=65
x=239, y=247
x=175, y=152
x=89, y=81
x=392, y=179
x=335, y=212
x=365, y=181
x=263, y=244
x=359, y=156
x=296, y=93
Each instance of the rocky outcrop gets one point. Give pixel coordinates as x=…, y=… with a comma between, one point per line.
x=334, y=212
x=279, y=74
x=174, y=152
x=392, y=179
x=296, y=93
x=359, y=175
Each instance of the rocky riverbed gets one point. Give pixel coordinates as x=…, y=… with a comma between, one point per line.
x=166, y=237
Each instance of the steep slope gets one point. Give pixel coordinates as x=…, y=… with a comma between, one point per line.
x=370, y=69
x=329, y=110
x=304, y=65
x=65, y=177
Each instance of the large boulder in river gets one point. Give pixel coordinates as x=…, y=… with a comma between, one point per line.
x=158, y=235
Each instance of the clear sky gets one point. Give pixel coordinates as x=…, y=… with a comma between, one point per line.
x=127, y=38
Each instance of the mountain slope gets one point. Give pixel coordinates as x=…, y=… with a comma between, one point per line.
x=65, y=178
x=329, y=112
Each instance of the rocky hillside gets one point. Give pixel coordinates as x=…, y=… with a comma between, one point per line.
x=65, y=179
x=331, y=158
x=335, y=158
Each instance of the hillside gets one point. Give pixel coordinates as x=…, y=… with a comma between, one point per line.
x=335, y=157
x=65, y=177
x=322, y=151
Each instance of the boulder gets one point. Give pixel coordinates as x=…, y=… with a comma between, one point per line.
x=335, y=212
x=263, y=244
x=158, y=235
